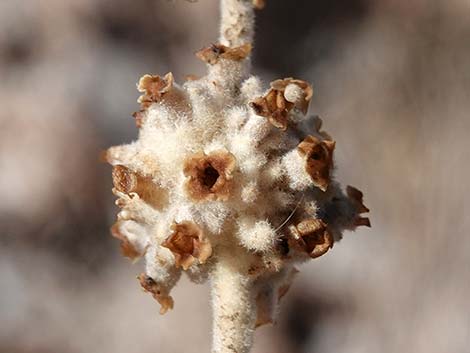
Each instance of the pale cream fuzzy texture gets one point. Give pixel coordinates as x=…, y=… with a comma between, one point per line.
x=269, y=188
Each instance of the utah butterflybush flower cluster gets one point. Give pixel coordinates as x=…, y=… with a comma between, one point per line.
x=229, y=182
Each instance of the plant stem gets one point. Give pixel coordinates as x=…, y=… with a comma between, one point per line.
x=233, y=306
x=237, y=22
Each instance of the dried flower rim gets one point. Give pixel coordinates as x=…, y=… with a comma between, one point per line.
x=318, y=159
x=312, y=236
x=188, y=243
x=154, y=88
x=213, y=53
x=210, y=176
x=276, y=107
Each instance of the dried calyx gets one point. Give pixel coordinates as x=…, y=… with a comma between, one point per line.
x=318, y=157
x=283, y=96
x=215, y=52
x=188, y=244
x=209, y=176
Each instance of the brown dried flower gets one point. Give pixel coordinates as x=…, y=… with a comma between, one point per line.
x=188, y=243
x=313, y=237
x=276, y=106
x=127, y=249
x=160, y=295
x=213, y=53
x=357, y=197
x=153, y=88
x=210, y=176
x=128, y=181
x=306, y=88
x=319, y=159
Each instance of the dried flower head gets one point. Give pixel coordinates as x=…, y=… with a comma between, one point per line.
x=229, y=184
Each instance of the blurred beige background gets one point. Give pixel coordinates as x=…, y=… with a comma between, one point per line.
x=392, y=84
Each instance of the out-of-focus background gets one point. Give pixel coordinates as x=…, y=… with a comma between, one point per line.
x=392, y=84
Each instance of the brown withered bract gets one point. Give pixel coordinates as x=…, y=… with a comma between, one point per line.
x=357, y=197
x=318, y=159
x=160, y=295
x=312, y=236
x=153, y=88
x=127, y=249
x=215, y=52
x=188, y=243
x=210, y=176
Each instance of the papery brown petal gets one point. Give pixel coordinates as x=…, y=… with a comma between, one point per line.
x=281, y=84
x=210, y=176
x=215, y=52
x=161, y=295
x=313, y=237
x=319, y=159
x=124, y=179
x=127, y=181
x=154, y=88
x=188, y=243
x=274, y=107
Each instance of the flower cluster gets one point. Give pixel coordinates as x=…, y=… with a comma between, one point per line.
x=229, y=182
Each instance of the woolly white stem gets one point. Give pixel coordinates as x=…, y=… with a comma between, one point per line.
x=237, y=22
x=234, y=311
